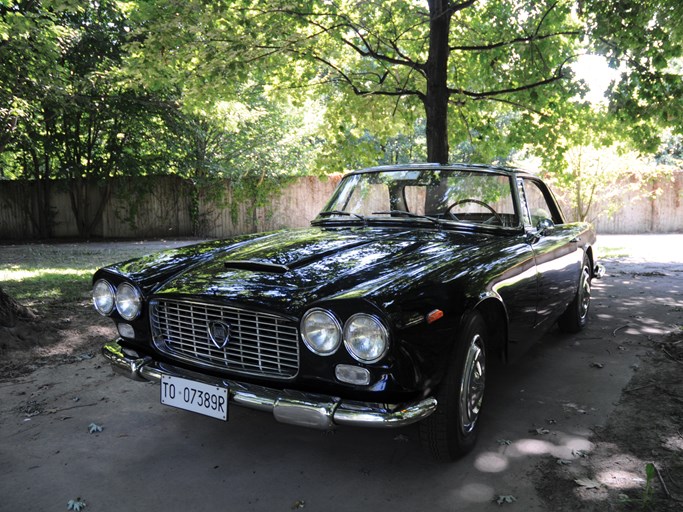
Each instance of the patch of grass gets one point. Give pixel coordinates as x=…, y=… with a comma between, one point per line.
x=611, y=252
x=46, y=284
x=50, y=274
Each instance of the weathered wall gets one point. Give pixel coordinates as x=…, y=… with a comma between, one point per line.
x=640, y=214
x=298, y=204
x=160, y=207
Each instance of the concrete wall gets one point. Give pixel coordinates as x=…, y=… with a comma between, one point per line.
x=162, y=205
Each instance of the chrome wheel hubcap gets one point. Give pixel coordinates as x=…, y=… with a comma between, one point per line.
x=585, y=293
x=472, y=385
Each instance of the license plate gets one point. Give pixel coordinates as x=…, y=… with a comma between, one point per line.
x=195, y=396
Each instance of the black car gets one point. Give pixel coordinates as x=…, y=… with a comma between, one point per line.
x=381, y=314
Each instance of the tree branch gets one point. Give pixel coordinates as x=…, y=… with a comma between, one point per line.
x=490, y=94
x=545, y=15
x=373, y=53
x=516, y=104
x=462, y=5
x=527, y=39
x=361, y=92
x=346, y=22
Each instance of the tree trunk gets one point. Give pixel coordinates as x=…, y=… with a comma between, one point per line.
x=10, y=310
x=436, y=98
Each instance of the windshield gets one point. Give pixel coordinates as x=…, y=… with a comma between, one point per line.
x=424, y=195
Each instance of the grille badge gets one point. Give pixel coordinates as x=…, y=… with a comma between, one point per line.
x=219, y=332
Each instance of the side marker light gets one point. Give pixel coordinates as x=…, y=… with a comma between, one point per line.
x=433, y=316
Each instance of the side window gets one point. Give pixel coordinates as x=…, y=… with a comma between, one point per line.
x=538, y=206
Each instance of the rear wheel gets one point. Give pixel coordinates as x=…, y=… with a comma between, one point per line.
x=575, y=317
x=452, y=430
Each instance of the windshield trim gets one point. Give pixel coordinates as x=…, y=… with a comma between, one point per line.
x=406, y=217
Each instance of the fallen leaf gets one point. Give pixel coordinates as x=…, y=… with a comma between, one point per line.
x=401, y=438
x=563, y=462
x=580, y=453
x=298, y=504
x=597, y=365
x=76, y=505
x=502, y=499
x=504, y=442
x=539, y=431
x=587, y=483
x=93, y=428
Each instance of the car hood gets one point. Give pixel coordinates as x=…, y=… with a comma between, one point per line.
x=290, y=270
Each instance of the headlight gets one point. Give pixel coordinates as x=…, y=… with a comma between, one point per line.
x=366, y=338
x=128, y=301
x=321, y=331
x=103, y=297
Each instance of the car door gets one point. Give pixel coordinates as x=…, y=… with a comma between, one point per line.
x=556, y=250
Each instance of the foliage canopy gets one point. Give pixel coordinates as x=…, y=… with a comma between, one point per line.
x=258, y=90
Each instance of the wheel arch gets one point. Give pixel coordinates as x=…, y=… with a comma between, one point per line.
x=495, y=317
x=591, y=259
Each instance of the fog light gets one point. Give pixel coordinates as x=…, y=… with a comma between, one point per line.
x=352, y=374
x=126, y=330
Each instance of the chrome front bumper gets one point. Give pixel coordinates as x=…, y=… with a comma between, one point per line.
x=287, y=406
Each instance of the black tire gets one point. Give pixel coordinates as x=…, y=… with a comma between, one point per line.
x=575, y=317
x=452, y=430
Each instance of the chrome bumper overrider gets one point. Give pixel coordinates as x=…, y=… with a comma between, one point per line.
x=287, y=406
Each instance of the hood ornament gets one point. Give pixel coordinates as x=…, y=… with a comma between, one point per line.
x=219, y=332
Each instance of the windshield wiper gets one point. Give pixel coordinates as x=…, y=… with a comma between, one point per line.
x=330, y=213
x=403, y=213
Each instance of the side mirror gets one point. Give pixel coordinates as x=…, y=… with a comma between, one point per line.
x=545, y=226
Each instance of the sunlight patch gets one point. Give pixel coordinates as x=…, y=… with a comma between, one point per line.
x=20, y=275
x=620, y=479
x=490, y=462
x=476, y=493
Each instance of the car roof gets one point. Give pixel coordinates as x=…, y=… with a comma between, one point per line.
x=510, y=171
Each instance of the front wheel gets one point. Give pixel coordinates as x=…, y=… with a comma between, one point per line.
x=452, y=430
x=575, y=316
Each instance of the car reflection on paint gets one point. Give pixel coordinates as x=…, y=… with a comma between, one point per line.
x=383, y=313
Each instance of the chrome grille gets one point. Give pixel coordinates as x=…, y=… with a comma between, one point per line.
x=260, y=344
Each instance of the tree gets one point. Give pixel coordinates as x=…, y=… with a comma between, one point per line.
x=644, y=40
x=29, y=47
x=66, y=114
x=254, y=144
x=472, y=58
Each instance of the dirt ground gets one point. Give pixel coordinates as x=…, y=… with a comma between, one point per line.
x=59, y=335
x=637, y=311
x=637, y=459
